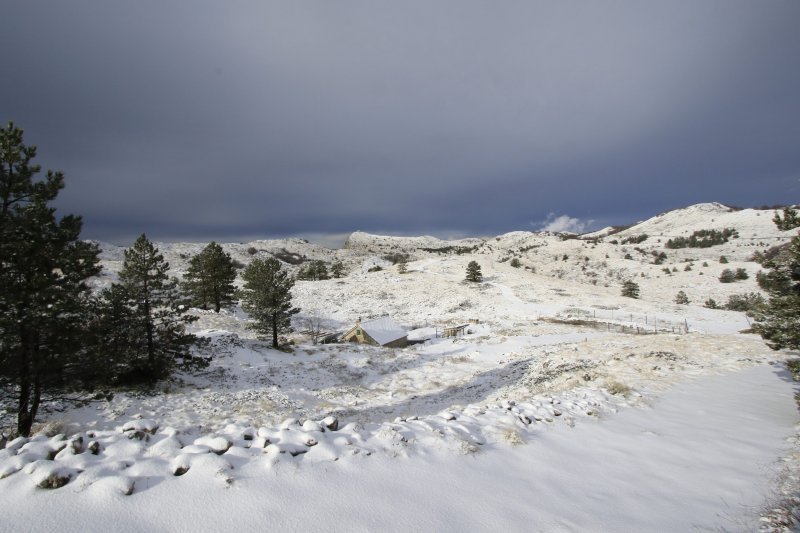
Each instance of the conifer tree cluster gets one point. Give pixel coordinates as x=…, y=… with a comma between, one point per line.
x=779, y=322
x=789, y=221
x=337, y=269
x=315, y=271
x=146, y=307
x=44, y=268
x=56, y=335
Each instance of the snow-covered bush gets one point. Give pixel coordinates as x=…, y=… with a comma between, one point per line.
x=747, y=302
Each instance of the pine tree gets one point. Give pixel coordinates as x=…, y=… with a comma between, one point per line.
x=44, y=269
x=158, y=318
x=789, y=221
x=314, y=271
x=115, y=336
x=267, y=298
x=630, y=289
x=321, y=270
x=474, y=272
x=337, y=269
x=681, y=298
x=209, y=278
x=779, y=323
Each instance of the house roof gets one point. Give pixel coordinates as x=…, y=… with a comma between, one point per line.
x=384, y=330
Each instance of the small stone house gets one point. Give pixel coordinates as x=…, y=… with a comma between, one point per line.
x=381, y=331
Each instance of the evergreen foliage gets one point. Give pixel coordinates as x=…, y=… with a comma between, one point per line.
x=747, y=303
x=337, y=269
x=515, y=263
x=659, y=257
x=704, y=238
x=711, y=304
x=458, y=250
x=773, y=281
x=637, y=239
x=44, y=268
x=727, y=276
x=789, y=221
x=630, y=289
x=396, y=257
x=314, y=271
x=266, y=297
x=779, y=322
x=474, y=272
x=723, y=260
x=209, y=278
x=681, y=298
x=741, y=273
x=114, y=337
x=147, y=302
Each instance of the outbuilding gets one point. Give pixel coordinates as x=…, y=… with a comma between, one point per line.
x=381, y=331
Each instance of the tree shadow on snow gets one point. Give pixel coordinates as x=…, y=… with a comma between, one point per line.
x=475, y=390
x=782, y=370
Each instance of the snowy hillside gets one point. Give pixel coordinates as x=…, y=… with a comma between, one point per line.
x=564, y=406
x=751, y=223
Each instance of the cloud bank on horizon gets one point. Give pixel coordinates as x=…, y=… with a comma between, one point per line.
x=202, y=120
x=565, y=223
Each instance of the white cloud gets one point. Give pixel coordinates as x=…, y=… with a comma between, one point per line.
x=564, y=223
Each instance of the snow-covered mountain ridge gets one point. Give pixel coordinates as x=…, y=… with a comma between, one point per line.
x=544, y=258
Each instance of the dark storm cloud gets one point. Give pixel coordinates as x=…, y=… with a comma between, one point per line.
x=200, y=120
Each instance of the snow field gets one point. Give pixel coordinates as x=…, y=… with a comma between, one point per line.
x=700, y=458
x=545, y=416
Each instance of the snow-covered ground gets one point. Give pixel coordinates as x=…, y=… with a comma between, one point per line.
x=701, y=458
x=567, y=407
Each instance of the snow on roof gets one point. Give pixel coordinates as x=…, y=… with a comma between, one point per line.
x=384, y=330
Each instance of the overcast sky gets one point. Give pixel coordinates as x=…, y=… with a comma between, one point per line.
x=243, y=119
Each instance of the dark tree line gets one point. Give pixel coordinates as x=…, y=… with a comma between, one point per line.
x=779, y=321
x=57, y=335
x=704, y=238
x=44, y=269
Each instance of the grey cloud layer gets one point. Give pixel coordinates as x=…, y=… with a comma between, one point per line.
x=192, y=118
